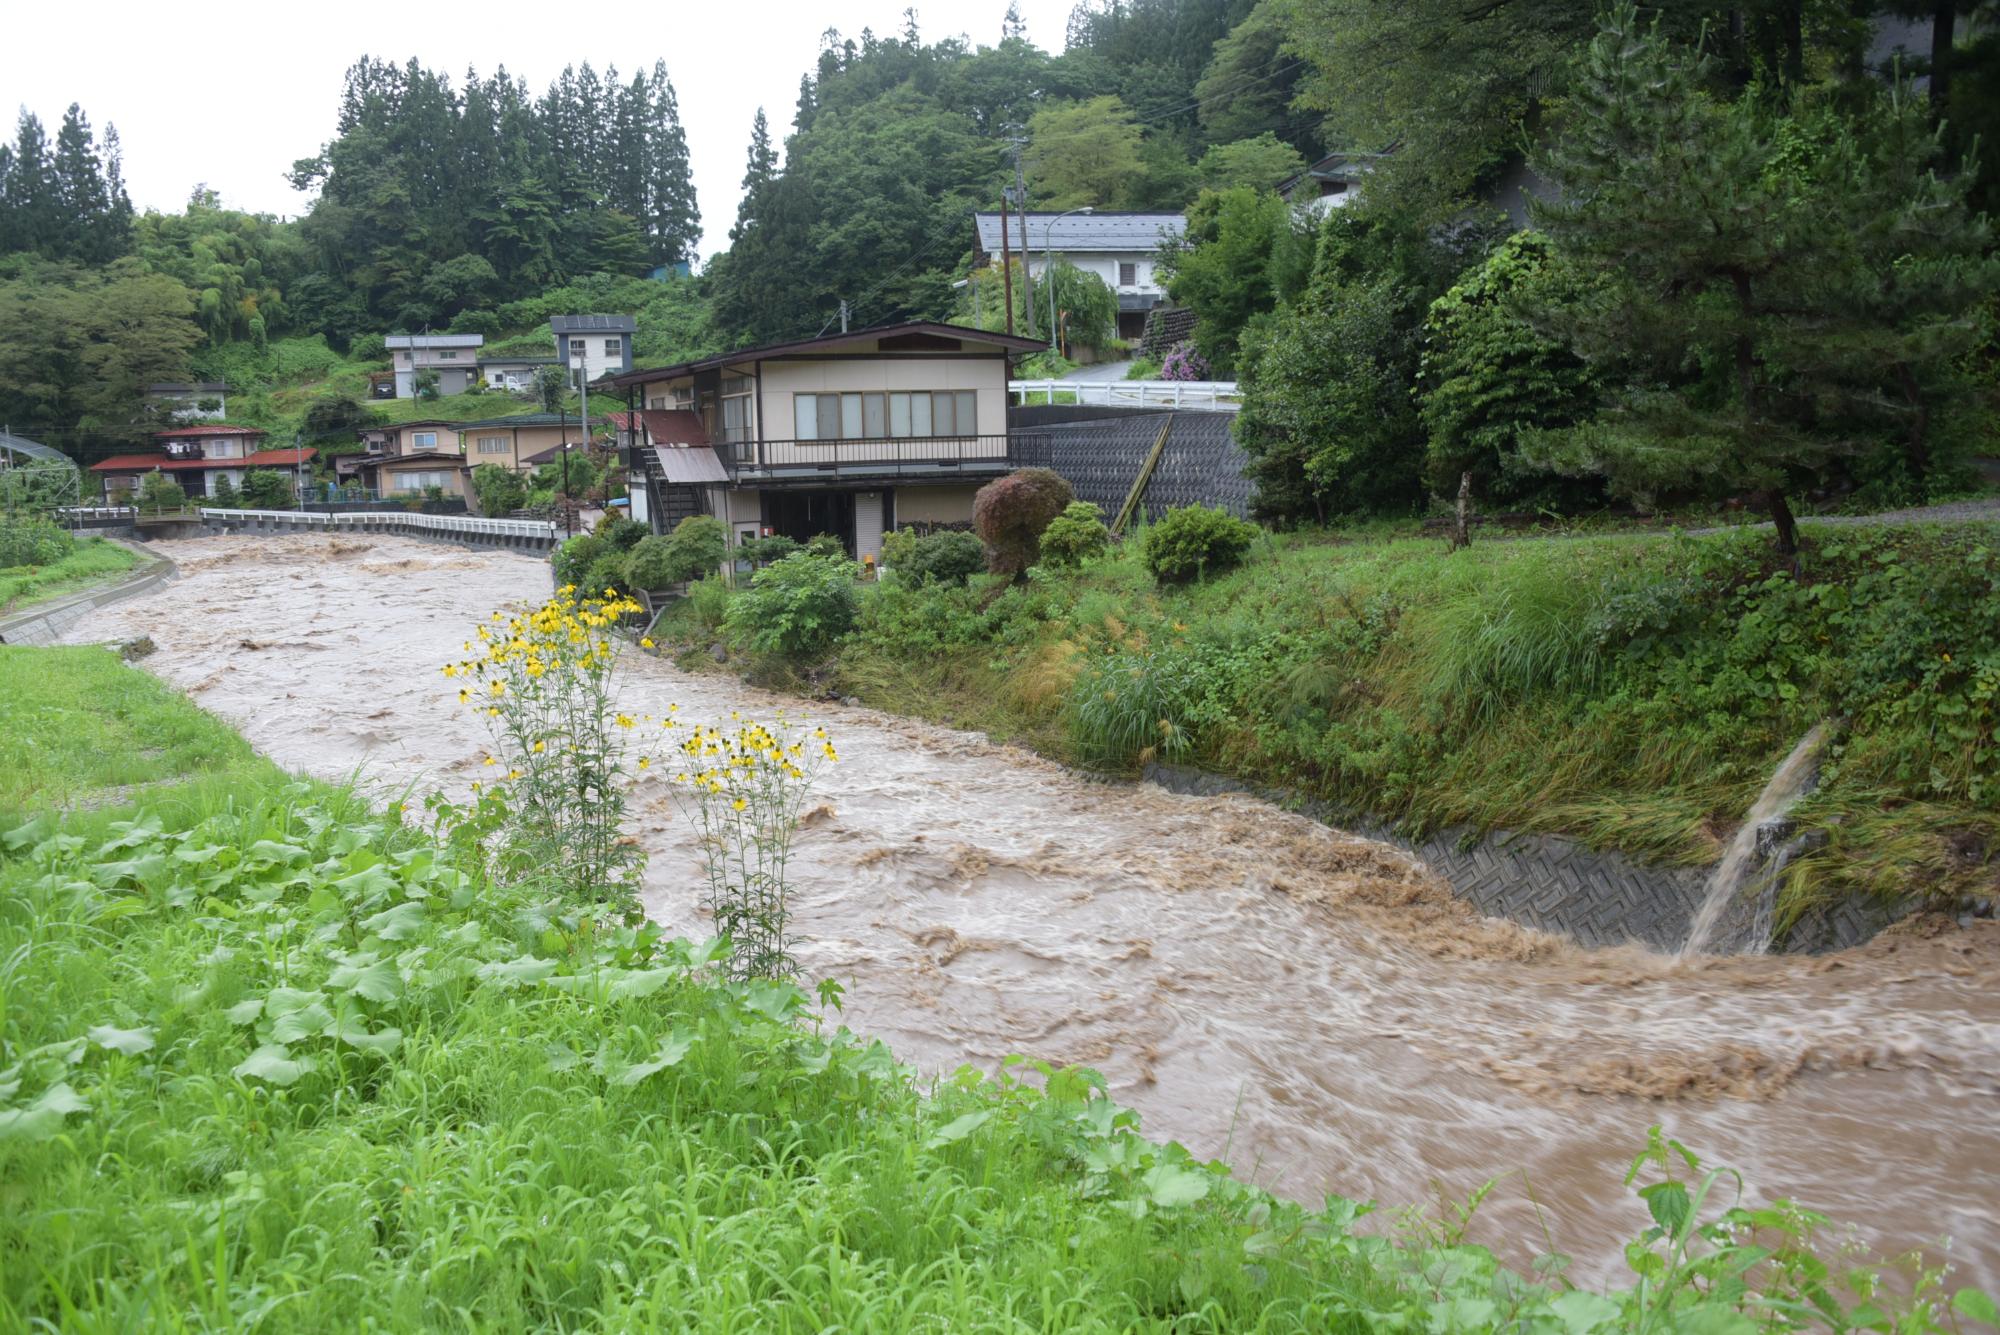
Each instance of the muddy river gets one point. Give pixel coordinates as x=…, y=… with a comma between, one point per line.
x=1308, y=1004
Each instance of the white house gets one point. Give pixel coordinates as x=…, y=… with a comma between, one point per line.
x=1120, y=248
x=516, y=375
x=851, y=434
x=595, y=345
x=454, y=357
x=201, y=401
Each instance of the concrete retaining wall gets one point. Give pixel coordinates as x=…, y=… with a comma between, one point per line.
x=46, y=623
x=1558, y=885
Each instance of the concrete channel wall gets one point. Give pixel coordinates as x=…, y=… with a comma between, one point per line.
x=1560, y=886
x=46, y=623
x=527, y=535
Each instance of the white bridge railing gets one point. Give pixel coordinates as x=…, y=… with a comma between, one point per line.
x=519, y=530
x=1212, y=395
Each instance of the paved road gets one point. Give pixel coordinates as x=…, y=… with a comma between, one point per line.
x=1101, y=371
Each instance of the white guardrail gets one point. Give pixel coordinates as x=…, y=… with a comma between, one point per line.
x=1213, y=395
x=451, y=524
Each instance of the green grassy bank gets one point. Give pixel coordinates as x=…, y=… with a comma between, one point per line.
x=271, y=1060
x=1635, y=691
x=93, y=562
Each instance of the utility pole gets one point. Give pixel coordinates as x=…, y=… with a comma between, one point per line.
x=1018, y=142
x=1007, y=254
x=843, y=315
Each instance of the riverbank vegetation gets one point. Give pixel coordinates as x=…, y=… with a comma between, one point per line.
x=1633, y=690
x=39, y=561
x=272, y=1058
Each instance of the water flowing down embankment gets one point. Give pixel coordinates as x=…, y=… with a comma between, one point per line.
x=1313, y=1006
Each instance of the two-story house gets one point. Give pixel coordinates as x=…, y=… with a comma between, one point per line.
x=522, y=441
x=198, y=457
x=850, y=434
x=454, y=358
x=593, y=346
x=1120, y=248
x=409, y=458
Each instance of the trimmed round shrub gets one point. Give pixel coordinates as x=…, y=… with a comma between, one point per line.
x=1010, y=514
x=1195, y=541
x=696, y=547
x=574, y=558
x=795, y=607
x=825, y=544
x=33, y=542
x=945, y=557
x=1075, y=536
x=763, y=551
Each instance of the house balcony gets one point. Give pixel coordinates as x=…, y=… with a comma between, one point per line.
x=781, y=461
x=181, y=453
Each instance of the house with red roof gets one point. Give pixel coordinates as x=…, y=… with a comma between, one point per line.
x=198, y=457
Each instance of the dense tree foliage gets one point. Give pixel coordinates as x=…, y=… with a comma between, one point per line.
x=64, y=200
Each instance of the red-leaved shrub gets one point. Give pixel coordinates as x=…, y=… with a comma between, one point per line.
x=1010, y=514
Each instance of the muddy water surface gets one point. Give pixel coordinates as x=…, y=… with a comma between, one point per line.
x=1309, y=1004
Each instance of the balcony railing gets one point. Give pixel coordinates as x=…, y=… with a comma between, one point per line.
x=898, y=453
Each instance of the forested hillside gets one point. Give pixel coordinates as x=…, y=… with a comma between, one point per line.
x=1827, y=330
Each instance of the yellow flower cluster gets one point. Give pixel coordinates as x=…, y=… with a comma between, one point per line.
x=565, y=632
x=716, y=759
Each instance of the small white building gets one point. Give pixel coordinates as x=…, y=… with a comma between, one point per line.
x=454, y=357
x=516, y=375
x=594, y=345
x=1120, y=248
x=197, y=401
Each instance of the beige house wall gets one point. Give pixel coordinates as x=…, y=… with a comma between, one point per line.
x=934, y=505
x=985, y=375
x=391, y=471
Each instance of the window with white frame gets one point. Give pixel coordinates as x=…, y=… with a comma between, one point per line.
x=576, y=349
x=493, y=445
x=611, y=348
x=1128, y=273
x=918, y=415
x=423, y=440
x=423, y=481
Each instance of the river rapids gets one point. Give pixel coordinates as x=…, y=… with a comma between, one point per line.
x=1313, y=1006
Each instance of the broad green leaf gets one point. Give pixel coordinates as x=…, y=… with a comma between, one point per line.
x=399, y=923
x=245, y=1012
x=1170, y=1185
x=131, y=1042
x=672, y=1048
x=285, y=1000
x=303, y=1023
x=642, y=983
x=267, y=852
x=274, y=1065
x=1582, y=1313
x=43, y=1118
x=350, y=1030
x=957, y=1129
x=516, y=972
x=1977, y=1305
x=377, y=981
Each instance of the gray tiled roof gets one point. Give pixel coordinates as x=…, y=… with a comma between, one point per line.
x=1082, y=231
x=592, y=324
x=434, y=340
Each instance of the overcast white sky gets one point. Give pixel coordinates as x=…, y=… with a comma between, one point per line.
x=231, y=93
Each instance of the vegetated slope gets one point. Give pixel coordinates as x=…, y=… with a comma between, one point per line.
x=288, y=1063
x=1631, y=690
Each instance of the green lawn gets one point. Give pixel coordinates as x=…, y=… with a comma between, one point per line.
x=79, y=726
x=93, y=562
x=270, y=1060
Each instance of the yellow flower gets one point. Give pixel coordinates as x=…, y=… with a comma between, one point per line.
x=491, y=761
x=499, y=688
x=738, y=804
x=625, y=721
x=645, y=643
x=464, y=696
x=513, y=774
x=538, y=748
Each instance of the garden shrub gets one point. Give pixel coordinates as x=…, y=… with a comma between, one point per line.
x=33, y=542
x=900, y=544
x=945, y=557
x=911, y=620
x=795, y=607
x=1010, y=514
x=267, y=489
x=1195, y=541
x=1075, y=536
x=575, y=557
x=697, y=546
x=225, y=496
x=605, y=576
x=1183, y=362
x=499, y=490
x=708, y=601
x=620, y=533
x=763, y=551
x=826, y=544
x=160, y=492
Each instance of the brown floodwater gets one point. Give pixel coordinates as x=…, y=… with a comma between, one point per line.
x=1309, y=1004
